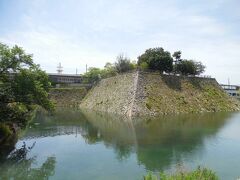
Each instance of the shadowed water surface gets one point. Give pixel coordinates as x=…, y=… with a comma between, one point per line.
x=74, y=144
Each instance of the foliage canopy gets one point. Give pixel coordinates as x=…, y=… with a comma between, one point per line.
x=152, y=59
x=157, y=59
x=189, y=67
x=22, y=85
x=123, y=64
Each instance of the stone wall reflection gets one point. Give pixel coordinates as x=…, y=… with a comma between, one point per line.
x=157, y=142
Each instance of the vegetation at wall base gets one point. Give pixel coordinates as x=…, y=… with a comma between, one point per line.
x=198, y=174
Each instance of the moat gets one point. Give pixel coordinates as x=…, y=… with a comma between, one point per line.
x=82, y=145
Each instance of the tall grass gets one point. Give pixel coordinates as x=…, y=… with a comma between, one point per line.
x=198, y=174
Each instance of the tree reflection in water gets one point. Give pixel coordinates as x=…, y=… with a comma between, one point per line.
x=158, y=142
x=167, y=140
x=18, y=166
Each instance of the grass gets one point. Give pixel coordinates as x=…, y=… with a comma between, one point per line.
x=198, y=174
x=179, y=95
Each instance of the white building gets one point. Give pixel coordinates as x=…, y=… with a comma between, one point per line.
x=232, y=90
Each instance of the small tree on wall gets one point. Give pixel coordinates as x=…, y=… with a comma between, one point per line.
x=123, y=64
x=177, y=56
x=199, y=67
x=189, y=67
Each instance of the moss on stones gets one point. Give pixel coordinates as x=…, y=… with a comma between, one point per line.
x=158, y=94
x=68, y=97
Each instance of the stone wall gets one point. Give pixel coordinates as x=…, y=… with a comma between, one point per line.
x=111, y=95
x=68, y=97
x=168, y=94
x=148, y=93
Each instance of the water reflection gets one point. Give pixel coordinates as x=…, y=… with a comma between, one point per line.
x=157, y=144
x=114, y=131
x=7, y=147
x=17, y=165
x=160, y=141
x=168, y=139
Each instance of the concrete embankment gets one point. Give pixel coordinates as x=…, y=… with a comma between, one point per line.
x=144, y=93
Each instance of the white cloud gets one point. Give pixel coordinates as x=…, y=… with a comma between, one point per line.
x=51, y=47
x=82, y=32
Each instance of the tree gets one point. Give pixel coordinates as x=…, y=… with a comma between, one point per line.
x=109, y=65
x=13, y=60
x=185, y=67
x=177, y=56
x=199, y=67
x=93, y=75
x=189, y=67
x=123, y=64
x=22, y=85
x=157, y=59
x=109, y=70
x=31, y=86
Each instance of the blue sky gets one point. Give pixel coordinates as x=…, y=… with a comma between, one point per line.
x=93, y=32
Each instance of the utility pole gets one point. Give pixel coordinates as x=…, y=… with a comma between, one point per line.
x=86, y=68
x=76, y=71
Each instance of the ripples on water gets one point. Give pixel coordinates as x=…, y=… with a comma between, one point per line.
x=74, y=144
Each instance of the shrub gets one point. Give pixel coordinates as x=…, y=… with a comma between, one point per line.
x=143, y=66
x=123, y=64
x=4, y=130
x=198, y=174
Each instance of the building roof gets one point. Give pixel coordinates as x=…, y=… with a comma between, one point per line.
x=70, y=75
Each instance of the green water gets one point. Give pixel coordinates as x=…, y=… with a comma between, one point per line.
x=86, y=145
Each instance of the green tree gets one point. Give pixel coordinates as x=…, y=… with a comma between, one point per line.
x=177, y=56
x=143, y=66
x=31, y=86
x=109, y=65
x=93, y=75
x=109, y=70
x=123, y=64
x=157, y=59
x=13, y=60
x=199, y=68
x=189, y=67
x=185, y=67
x=22, y=85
